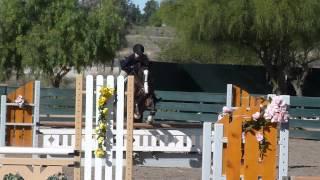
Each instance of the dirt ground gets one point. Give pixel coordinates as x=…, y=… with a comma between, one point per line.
x=304, y=160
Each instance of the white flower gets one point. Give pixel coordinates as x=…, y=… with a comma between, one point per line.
x=20, y=101
x=226, y=109
x=256, y=116
x=259, y=137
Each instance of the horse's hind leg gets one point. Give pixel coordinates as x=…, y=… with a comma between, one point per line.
x=150, y=118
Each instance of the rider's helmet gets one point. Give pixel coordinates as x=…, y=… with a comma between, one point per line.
x=138, y=49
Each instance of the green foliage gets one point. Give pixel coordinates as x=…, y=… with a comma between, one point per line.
x=134, y=15
x=59, y=176
x=155, y=20
x=11, y=176
x=13, y=24
x=203, y=52
x=53, y=37
x=283, y=34
x=150, y=9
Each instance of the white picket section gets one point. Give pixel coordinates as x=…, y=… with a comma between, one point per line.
x=88, y=127
x=109, y=139
x=217, y=152
x=206, y=153
x=284, y=145
x=3, y=115
x=98, y=161
x=120, y=130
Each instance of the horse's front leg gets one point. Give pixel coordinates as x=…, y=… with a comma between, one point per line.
x=145, y=84
x=137, y=114
x=151, y=106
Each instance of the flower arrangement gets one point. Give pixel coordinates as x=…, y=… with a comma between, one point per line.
x=271, y=112
x=19, y=101
x=105, y=94
x=274, y=111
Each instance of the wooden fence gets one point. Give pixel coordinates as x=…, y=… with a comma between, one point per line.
x=237, y=154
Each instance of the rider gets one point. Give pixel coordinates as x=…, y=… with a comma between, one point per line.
x=129, y=64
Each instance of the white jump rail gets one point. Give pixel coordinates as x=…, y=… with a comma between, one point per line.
x=178, y=140
x=37, y=151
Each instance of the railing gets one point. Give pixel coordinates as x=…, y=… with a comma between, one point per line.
x=179, y=140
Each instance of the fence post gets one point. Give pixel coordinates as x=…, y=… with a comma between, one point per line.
x=129, y=136
x=88, y=128
x=3, y=120
x=229, y=95
x=119, y=131
x=36, y=112
x=206, y=150
x=284, y=145
x=217, y=152
x=78, y=128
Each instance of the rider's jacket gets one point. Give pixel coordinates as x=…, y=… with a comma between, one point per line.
x=131, y=63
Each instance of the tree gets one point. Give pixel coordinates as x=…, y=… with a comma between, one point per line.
x=283, y=34
x=134, y=15
x=63, y=35
x=150, y=9
x=13, y=24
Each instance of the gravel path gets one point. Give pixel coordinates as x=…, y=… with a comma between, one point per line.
x=304, y=160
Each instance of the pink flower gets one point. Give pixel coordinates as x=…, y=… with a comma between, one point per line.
x=259, y=137
x=275, y=118
x=283, y=105
x=226, y=109
x=267, y=115
x=286, y=117
x=256, y=115
x=276, y=111
x=20, y=101
x=277, y=100
x=220, y=117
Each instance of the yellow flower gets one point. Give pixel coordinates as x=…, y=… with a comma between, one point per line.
x=102, y=101
x=102, y=126
x=97, y=129
x=105, y=111
x=106, y=92
x=100, y=140
x=99, y=153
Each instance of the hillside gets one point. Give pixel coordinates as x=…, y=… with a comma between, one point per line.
x=152, y=38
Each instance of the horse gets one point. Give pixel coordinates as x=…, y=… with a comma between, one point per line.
x=144, y=95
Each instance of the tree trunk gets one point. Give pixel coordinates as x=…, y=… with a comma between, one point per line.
x=298, y=78
x=298, y=86
x=56, y=81
x=279, y=83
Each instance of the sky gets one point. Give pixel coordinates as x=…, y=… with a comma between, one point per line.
x=141, y=3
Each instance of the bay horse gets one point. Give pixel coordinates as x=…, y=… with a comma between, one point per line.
x=144, y=95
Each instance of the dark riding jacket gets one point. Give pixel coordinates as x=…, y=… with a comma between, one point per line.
x=130, y=64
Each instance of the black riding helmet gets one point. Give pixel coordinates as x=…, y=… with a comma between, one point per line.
x=139, y=49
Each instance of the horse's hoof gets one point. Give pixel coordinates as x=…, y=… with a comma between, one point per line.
x=150, y=119
x=136, y=116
